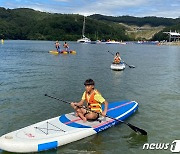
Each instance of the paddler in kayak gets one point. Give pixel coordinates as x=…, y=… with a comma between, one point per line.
x=94, y=100
x=117, y=58
x=57, y=45
x=66, y=46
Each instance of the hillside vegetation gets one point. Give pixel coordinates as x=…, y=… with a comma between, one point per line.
x=145, y=32
x=147, y=28
x=28, y=24
x=138, y=21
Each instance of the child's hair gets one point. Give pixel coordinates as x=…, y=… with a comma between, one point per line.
x=117, y=53
x=89, y=82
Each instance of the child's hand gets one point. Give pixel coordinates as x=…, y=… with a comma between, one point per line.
x=74, y=104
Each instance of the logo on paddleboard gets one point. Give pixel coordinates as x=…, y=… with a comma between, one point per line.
x=103, y=127
x=173, y=147
x=29, y=135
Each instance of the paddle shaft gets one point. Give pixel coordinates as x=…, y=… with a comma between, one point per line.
x=130, y=66
x=111, y=53
x=69, y=103
x=136, y=129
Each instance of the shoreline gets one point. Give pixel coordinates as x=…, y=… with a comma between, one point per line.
x=170, y=43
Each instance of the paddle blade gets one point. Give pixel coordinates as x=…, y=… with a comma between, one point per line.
x=136, y=129
x=131, y=66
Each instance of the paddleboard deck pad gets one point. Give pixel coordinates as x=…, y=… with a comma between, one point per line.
x=117, y=67
x=63, y=129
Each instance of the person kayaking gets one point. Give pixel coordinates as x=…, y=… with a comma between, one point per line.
x=94, y=100
x=57, y=45
x=66, y=46
x=117, y=58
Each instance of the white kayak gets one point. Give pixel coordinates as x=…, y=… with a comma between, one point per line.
x=63, y=129
x=118, y=67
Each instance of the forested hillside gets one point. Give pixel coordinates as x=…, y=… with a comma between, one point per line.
x=139, y=21
x=155, y=25
x=28, y=24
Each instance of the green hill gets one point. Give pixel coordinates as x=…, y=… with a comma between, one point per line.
x=23, y=23
x=147, y=28
x=138, y=21
x=30, y=24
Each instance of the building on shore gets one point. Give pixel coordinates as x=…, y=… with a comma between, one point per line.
x=173, y=36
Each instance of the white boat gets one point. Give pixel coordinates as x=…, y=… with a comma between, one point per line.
x=118, y=67
x=112, y=42
x=84, y=39
x=123, y=43
x=64, y=129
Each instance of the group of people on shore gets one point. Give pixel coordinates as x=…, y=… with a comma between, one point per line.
x=58, y=48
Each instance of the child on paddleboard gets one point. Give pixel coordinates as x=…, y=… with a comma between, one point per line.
x=66, y=46
x=117, y=58
x=57, y=45
x=94, y=100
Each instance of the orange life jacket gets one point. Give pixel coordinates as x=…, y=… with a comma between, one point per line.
x=92, y=103
x=117, y=59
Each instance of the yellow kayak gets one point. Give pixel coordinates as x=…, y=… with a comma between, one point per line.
x=62, y=52
x=54, y=52
x=73, y=52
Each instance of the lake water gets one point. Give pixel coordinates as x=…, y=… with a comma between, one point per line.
x=28, y=71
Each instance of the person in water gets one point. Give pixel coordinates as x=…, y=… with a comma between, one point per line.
x=57, y=45
x=66, y=46
x=94, y=99
x=117, y=58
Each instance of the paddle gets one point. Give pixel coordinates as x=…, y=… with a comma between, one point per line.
x=130, y=66
x=136, y=129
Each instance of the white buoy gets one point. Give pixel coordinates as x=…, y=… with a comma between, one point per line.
x=2, y=41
